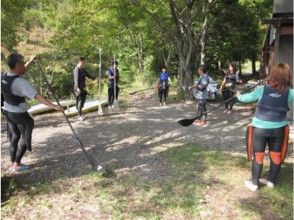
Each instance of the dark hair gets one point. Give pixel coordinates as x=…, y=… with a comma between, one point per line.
x=164, y=67
x=280, y=77
x=14, y=59
x=202, y=67
x=234, y=68
x=112, y=63
x=82, y=59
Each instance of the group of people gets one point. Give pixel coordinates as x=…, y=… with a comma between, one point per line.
x=201, y=94
x=14, y=91
x=80, y=75
x=269, y=125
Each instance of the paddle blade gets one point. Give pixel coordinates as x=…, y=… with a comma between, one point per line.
x=186, y=122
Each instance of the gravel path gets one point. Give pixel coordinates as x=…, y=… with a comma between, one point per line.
x=130, y=141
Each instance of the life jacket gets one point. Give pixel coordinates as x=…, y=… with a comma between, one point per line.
x=6, y=82
x=81, y=77
x=111, y=73
x=163, y=80
x=230, y=81
x=272, y=106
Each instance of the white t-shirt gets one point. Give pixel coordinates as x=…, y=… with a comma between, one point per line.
x=20, y=87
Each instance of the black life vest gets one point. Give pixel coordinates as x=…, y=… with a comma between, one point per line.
x=272, y=106
x=81, y=78
x=6, y=82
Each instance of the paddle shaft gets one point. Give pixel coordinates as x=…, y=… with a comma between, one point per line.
x=224, y=102
x=90, y=158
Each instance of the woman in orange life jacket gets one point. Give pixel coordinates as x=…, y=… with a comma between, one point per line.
x=269, y=124
x=228, y=87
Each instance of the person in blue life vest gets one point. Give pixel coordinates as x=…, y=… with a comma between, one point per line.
x=228, y=87
x=113, y=79
x=163, y=85
x=269, y=125
x=80, y=74
x=15, y=89
x=201, y=94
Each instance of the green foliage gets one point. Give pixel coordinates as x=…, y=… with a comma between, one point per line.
x=141, y=41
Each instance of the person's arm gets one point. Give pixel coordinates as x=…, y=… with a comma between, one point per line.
x=29, y=62
x=238, y=80
x=48, y=103
x=23, y=88
x=291, y=96
x=194, y=86
x=253, y=96
x=89, y=75
x=223, y=83
x=76, y=76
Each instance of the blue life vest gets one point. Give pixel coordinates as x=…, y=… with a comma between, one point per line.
x=163, y=78
x=111, y=73
x=272, y=106
x=6, y=82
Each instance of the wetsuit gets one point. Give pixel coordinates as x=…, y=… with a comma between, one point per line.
x=268, y=124
x=111, y=73
x=163, y=86
x=20, y=123
x=80, y=75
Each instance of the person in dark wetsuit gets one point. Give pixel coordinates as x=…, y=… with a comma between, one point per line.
x=113, y=74
x=15, y=89
x=80, y=75
x=163, y=85
x=228, y=87
x=269, y=124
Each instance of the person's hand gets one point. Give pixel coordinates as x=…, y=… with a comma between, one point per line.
x=78, y=90
x=32, y=58
x=238, y=93
x=58, y=107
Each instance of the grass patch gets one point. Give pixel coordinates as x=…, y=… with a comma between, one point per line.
x=199, y=184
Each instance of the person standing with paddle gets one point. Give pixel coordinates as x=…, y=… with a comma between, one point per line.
x=201, y=94
x=113, y=80
x=269, y=125
x=20, y=124
x=163, y=85
x=228, y=87
x=80, y=75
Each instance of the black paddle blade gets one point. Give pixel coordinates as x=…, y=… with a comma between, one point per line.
x=186, y=122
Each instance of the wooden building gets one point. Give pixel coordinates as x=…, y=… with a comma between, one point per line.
x=278, y=43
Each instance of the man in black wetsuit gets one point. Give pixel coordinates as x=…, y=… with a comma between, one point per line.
x=80, y=75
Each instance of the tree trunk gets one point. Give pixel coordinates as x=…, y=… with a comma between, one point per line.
x=240, y=68
x=185, y=44
x=253, y=62
x=203, y=39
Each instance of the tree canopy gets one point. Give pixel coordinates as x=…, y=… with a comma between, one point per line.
x=142, y=34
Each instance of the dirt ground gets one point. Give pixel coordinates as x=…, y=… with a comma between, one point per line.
x=129, y=141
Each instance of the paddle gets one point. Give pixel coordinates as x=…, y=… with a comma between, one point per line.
x=100, y=110
x=115, y=102
x=187, y=122
x=93, y=161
